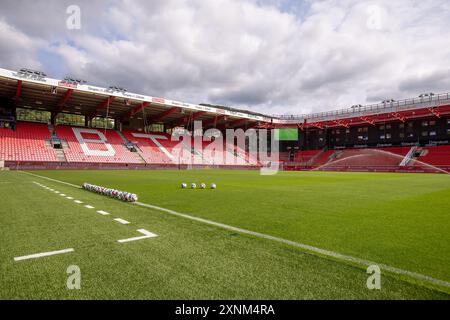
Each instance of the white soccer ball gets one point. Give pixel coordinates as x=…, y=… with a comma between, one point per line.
x=213, y=186
x=203, y=186
x=183, y=185
x=193, y=186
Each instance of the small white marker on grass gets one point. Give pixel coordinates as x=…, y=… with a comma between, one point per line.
x=78, y=201
x=70, y=198
x=62, y=194
x=89, y=206
x=103, y=213
x=122, y=221
x=43, y=254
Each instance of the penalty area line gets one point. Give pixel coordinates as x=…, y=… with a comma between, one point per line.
x=308, y=248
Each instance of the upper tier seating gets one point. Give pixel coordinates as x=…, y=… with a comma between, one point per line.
x=95, y=145
x=27, y=143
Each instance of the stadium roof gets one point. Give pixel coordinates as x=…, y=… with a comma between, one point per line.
x=33, y=89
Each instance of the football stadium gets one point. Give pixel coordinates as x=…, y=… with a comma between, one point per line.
x=355, y=188
x=110, y=194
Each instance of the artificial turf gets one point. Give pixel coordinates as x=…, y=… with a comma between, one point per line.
x=397, y=219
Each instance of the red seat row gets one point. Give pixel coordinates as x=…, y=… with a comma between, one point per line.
x=26, y=143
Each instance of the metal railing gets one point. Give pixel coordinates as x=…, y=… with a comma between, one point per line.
x=372, y=109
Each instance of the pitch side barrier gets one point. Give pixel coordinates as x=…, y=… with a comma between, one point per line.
x=30, y=165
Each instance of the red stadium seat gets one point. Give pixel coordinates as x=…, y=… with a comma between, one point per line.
x=27, y=143
x=436, y=156
x=158, y=148
x=95, y=145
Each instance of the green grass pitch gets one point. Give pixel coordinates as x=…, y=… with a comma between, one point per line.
x=400, y=220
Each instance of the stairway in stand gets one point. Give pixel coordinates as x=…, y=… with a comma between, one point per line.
x=138, y=151
x=60, y=155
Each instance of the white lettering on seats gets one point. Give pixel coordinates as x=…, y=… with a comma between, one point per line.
x=110, y=152
x=154, y=138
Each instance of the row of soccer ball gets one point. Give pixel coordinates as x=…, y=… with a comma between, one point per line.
x=202, y=186
x=113, y=193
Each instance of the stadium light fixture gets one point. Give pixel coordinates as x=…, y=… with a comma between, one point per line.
x=117, y=89
x=31, y=73
x=73, y=80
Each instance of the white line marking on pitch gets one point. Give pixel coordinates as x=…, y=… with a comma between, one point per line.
x=146, y=235
x=78, y=201
x=70, y=198
x=308, y=248
x=43, y=254
x=103, y=213
x=56, y=192
x=62, y=194
x=50, y=179
x=122, y=221
x=89, y=206
x=319, y=251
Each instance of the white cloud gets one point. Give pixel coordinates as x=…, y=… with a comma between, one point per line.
x=17, y=49
x=251, y=54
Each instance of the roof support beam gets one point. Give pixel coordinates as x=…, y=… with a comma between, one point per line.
x=398, y=116
x=18, y=90
x=368, y=120
x=213, y=122
x=63, y=101
x=135, y=110
x=435, y=111
x=235, y=123
x=185, y=119
x=105, y=103
x=316, y=125
x=162, y=115
x=341, y=123
x=254, y=125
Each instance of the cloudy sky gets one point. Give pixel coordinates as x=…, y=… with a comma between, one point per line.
x=275, y=57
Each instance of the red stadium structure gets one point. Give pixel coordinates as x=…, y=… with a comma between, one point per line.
x=47, y=123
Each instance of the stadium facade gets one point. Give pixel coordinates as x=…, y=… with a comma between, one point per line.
x=51, y=123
